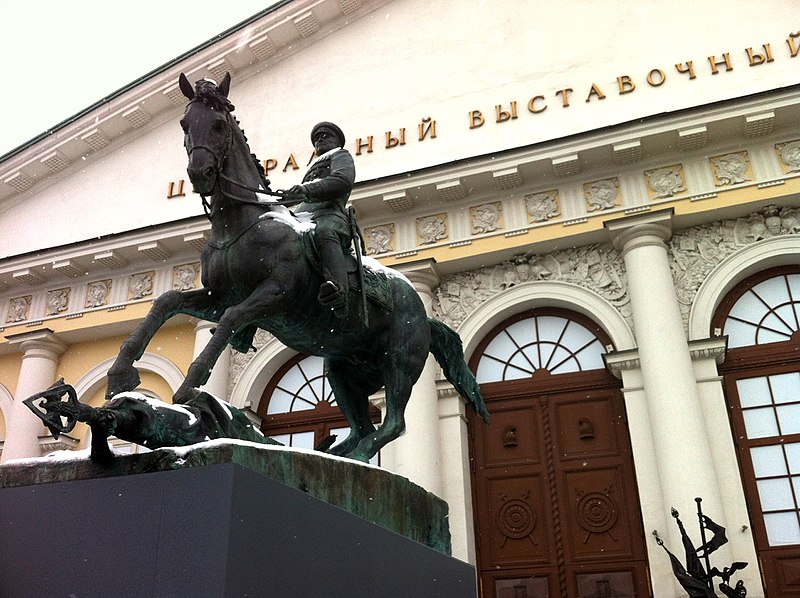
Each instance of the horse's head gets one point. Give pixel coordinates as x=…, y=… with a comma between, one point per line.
x=207, y=130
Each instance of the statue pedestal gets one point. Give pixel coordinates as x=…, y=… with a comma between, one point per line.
x=221, y=520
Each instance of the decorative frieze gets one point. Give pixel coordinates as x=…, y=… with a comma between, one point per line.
x=598, y=267
x=731, y=169
x=697, y=251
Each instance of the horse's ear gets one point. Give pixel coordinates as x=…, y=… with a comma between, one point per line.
x=185, y=86
x=225, y=86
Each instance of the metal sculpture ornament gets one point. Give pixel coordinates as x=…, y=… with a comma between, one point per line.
x=261, y=269
x=695, y=578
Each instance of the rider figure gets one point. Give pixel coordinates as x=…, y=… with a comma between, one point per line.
x=324, y=192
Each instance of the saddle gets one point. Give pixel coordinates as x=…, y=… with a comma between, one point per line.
x=378, y=289
x=377, y=284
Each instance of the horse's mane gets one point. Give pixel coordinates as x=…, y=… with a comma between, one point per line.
x=207, y=92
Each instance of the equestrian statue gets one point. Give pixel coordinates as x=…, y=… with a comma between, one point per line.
x=292, y=274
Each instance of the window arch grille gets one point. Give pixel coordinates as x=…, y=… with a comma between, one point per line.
x=761, y=373
x=766, y=312
x=298, y=407
x=552, y=341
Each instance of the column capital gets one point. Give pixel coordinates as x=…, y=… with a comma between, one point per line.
x=421, y=273
x=652, y=228
x=43, y=341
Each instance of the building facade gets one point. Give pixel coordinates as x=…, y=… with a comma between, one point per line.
x=612, y=227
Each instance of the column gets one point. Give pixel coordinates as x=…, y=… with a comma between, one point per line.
x=217, y=384
x=416, y=453
x=456, y=482
x=682, y=450
x=40, y=353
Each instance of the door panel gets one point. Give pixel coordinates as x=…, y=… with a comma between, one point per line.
x=556, y=506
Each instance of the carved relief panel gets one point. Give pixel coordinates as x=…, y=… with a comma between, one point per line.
x=18, y=309
x=602, y=195
x=543, y=206
x=731, y=169
x=486, y=218
x=97, y=293
x=665, y=182
x=432, y=229
x=379, y=239
x=141, y=285
x=789, y=154
x=186, y=277
x=57, y=301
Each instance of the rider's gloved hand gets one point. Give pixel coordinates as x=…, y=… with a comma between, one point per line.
x=299, y=191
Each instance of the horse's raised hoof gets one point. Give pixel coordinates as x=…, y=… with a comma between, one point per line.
x=122, y=380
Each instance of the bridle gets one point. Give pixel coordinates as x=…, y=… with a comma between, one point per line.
x=218, y=174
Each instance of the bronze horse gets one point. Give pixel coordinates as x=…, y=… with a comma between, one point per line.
x=256, y=274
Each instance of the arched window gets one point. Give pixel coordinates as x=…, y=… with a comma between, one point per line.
x=761, y=318
x=543, y=341
x=298, y=407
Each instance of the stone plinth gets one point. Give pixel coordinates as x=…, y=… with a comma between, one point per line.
x=222, y=519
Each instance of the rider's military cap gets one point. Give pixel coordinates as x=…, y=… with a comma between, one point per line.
x=328, y=128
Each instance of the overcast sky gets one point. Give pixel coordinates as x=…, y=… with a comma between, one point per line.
x=62, y=56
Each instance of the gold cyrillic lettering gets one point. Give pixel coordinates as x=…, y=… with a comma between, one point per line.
x=476, y=119
x=793, y=48
x=504, y=115
x=291, y=162
x=726, y=60
x=532, y=105
x=564, y=96
x=171, y=192
x=269, y=164
x=312, y=157
x=595, y=91
x=395, y=141
x=625, y=84
x=651, y=77
x=360, y=144
x=427, y=126
x=756, y=59
x=686, y=68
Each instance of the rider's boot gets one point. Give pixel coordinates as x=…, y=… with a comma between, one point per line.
x=333, y=292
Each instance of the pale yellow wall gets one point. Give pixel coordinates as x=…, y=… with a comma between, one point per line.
x=9, y=370
x=174, y=343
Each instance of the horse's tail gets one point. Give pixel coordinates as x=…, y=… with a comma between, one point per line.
x=448, y=352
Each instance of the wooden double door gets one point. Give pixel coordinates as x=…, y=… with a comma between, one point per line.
x=555, y=499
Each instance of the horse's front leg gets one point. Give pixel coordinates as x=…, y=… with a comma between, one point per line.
x=266, y=299
x=122, y=376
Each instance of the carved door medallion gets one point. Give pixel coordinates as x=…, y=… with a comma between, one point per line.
x=556, y=506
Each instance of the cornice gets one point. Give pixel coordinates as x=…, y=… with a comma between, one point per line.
x=701, y=349
x=280, y=33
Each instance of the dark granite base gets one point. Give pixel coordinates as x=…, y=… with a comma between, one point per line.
x=214, y=530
